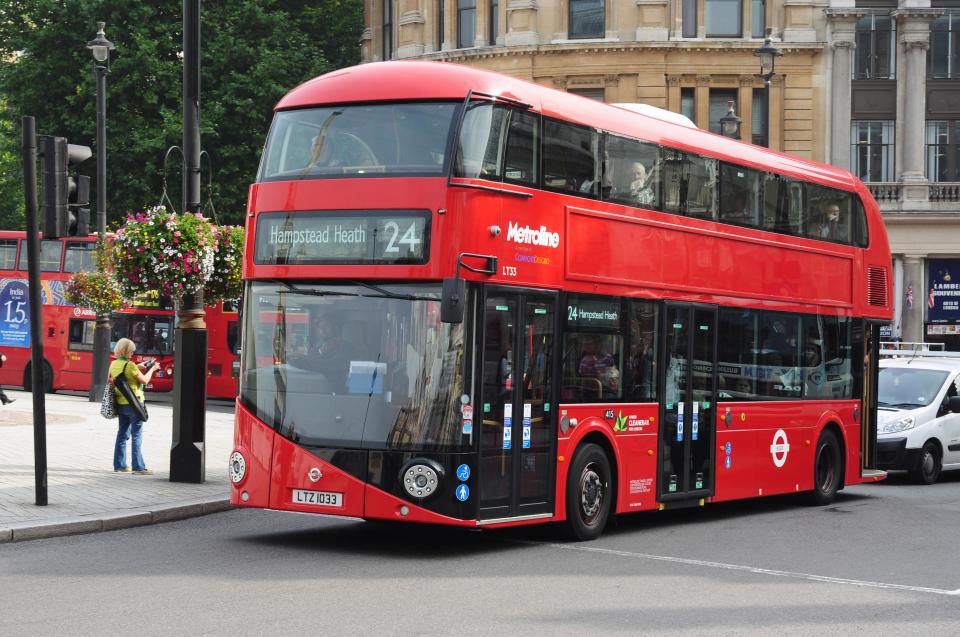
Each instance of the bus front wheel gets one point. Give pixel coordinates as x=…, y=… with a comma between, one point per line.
x=47, y=378
x=589, y=493
x=827, y=468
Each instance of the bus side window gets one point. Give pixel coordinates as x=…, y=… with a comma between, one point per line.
x=784, y=201
x=523, y=148
x=690, y=184
x=858, y=223
x=81, y=334
x=631, y=172
x=8, y=253
x=570, y=158
x=481, y=141
x=741, y=191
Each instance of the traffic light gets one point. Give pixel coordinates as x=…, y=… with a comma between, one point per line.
x=64, y=196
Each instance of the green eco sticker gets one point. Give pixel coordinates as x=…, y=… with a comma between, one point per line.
x=539, y=310
x=486, y=408
x=546, y=406
x=678, y=326
x=669, y=405
x=706, y=404
x=503, y=308
x=705, y=328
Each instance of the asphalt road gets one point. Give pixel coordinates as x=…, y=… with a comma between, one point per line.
x=885, y=559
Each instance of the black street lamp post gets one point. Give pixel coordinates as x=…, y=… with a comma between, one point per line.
x=730, y=123
x=101, y=47
x=768, y=55
x=188, y=454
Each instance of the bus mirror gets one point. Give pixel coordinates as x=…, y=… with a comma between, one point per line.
x=452, y=300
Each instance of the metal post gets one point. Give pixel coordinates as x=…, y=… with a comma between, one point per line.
x=101, y=335
x=187, y=454
x=29, y=146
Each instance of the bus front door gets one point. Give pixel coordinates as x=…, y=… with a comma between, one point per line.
x=688, y=409
x=517, y=408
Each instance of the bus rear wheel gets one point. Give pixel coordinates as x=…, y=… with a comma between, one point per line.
x=827, y=468
x=47, y=378
x=589, y=493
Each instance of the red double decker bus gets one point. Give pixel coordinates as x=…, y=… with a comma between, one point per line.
x=68, y=330
x=476, y=301
x=223, y=347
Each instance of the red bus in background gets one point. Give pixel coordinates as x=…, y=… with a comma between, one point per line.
x=68, y=330
x=223, y=348
x=653, y=316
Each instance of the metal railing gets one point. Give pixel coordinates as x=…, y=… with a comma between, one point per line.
x=897, y=349
x=885, y=191
x=942, y=191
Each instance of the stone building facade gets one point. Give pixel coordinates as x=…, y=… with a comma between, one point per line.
x=869, y=85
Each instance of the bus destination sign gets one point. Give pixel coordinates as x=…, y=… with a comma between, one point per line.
x=343, y=237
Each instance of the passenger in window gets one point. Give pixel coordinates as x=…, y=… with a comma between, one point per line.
x=594, y=364
x=831, y=227
x=641, y=189
x=330, y=354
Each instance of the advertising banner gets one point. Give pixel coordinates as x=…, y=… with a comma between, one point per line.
x=943, y=291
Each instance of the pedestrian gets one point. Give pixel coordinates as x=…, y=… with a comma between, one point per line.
x=3, y=396
x=130, y=423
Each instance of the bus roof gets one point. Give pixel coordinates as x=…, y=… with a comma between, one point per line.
x=423, y=80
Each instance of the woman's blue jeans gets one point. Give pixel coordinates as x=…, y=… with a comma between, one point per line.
x=130, y=427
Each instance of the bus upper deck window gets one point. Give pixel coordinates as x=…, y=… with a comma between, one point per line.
x=481, y=141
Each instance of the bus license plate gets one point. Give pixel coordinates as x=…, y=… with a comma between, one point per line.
x=319, y=498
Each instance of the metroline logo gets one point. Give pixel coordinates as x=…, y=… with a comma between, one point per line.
x=531, y=236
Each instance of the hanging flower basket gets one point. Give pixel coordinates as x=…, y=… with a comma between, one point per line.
x=97, y=291
x=226, y=283
x=157, y=251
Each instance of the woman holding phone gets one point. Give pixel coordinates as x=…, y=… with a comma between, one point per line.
x=130, y=422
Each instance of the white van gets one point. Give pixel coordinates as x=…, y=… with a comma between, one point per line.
x=918, y=424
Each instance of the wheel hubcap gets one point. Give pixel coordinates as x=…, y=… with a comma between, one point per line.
x=929, y=464
x=591, y=494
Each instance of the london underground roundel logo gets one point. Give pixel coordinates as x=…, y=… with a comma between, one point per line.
x=780, y=448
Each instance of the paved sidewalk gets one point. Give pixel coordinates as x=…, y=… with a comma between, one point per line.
x=84, y=493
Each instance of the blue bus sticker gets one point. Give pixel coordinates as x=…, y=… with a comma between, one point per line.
x=14, y=314
x=467, y=427
x=727, y=462
x=463, y=472
x=728, y=448
x=463, y=492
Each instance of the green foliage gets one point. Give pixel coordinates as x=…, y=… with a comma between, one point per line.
x=253, y=52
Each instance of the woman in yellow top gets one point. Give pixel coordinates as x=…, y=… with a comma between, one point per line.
x=130, y=423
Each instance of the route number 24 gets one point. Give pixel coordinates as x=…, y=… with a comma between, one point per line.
x=409, y=238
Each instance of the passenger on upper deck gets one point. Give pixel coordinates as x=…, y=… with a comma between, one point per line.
x=830, y=226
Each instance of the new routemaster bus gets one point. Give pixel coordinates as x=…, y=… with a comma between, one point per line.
x=476, y=301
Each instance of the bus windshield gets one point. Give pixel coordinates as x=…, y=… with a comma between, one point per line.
x=362, y=140
x=357, y=366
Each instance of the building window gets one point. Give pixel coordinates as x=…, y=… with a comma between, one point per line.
x=587, y=18
x=723, y=18
x=943, y=57
x=440, y=23
x=592, y=93
x=494, y=10
x=943, y=151
x=687, y=104
x=718, y=105
x=873, y=150
x=759, y=124
x=874, y=54
x=387, y=29
x=758, y=18
x=689, y=18
x=466, y=23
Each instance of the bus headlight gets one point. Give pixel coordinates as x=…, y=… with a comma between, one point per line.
x=238, y=467
x=900, y=424
x=421, y=478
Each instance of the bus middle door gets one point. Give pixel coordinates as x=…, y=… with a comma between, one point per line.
x=688, y=409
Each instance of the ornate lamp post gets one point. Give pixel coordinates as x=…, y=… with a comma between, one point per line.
x=768, y=55
x=730, y=123
x=101, y=47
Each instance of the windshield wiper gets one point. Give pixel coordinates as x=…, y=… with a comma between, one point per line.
x=292, y=289
x=383, y=293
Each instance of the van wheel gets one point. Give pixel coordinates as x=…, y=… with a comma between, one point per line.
x=827, y=467
x=47, y=378
x=589, y=493
x=928, y=467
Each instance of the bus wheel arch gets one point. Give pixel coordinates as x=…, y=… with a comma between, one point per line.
x=829, y=465
x=591, y=487
x=47, y=377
